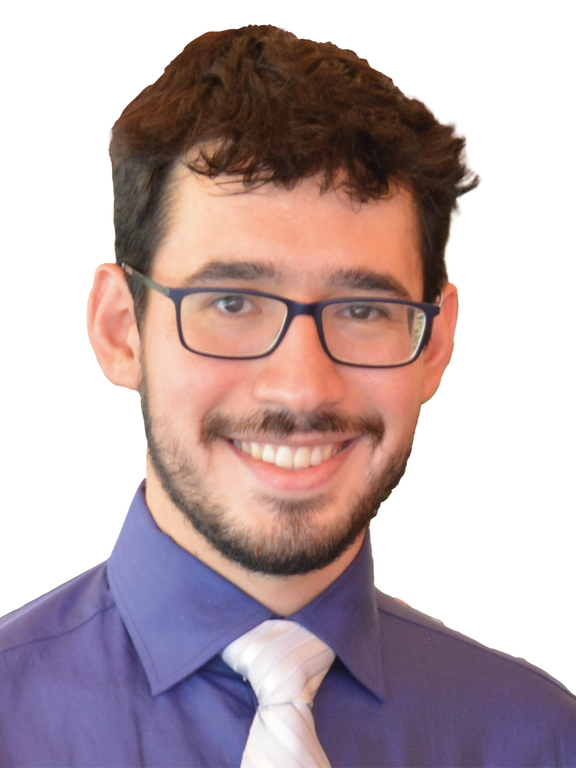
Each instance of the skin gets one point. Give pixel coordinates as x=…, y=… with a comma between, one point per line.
x=303, y=239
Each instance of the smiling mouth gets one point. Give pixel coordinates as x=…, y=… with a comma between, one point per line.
x=290, y=457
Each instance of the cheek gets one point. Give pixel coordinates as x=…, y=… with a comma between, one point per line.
x=183, y=387
x=396, y=394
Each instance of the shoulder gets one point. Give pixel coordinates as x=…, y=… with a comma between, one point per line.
x=66, y=642
x=65, y=663
x=445, y=660
x=57, y=613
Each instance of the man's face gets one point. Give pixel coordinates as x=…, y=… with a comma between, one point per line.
x=212, y=423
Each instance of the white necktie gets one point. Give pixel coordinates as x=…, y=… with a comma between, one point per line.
x=285, y=665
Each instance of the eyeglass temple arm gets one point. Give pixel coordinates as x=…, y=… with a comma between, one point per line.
x=145, y=280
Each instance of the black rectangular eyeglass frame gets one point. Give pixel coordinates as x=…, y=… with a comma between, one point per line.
x=294, y=308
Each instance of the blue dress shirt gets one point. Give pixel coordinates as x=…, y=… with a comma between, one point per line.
x=121, y=667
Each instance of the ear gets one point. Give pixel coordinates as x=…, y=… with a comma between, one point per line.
x=112, y=327
x=439, y=348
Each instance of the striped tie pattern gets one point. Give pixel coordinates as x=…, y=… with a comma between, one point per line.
x=285, y=665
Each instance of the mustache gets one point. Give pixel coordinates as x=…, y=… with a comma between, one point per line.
x=283, y=423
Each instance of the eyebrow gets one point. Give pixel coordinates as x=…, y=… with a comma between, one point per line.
x=360, y=279
x=368, y=280
x=233, y=270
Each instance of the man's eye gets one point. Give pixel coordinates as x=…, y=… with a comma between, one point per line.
x=365, y=312
x=233, y=304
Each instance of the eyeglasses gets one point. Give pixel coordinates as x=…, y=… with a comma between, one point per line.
x=244, y=324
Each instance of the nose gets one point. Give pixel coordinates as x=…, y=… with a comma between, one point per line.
x=299, y=375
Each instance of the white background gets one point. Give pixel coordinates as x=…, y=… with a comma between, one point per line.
x=481, y=531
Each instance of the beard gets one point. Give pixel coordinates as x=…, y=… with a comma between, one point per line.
x=295, y=543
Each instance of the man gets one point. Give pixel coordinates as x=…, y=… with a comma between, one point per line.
x=281, y=304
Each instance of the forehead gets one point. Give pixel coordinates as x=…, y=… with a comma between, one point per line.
x=300, y=239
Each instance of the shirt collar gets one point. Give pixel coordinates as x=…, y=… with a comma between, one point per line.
x=345, y=616
x=180, y=613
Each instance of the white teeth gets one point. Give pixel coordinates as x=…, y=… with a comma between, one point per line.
x=285, y=456
x=255, y=450
x=316, y=456
x=302, y=457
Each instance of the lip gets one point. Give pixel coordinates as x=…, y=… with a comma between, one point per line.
x=290, y=481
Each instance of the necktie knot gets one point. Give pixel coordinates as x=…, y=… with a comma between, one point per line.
x=285, y=665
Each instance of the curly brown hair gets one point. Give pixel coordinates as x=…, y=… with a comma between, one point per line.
x=263, y=104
